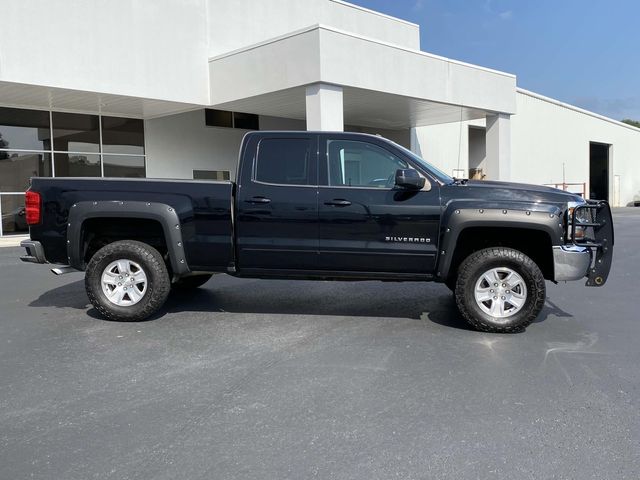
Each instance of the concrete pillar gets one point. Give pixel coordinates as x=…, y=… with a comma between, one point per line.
x=498, y=160
x=415, y=142
x=325, y=111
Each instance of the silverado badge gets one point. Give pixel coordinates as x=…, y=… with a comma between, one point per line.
x=407, y=239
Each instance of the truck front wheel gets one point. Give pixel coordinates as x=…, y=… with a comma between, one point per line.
x=499, y=290
x=127, y=281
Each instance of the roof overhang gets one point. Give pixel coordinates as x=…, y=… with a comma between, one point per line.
x=67, y=100
x=384, y=85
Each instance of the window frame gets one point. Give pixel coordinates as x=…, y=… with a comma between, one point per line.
x=43, y=113
x=110, y=145
x=323, y=180
x=97, y=132
x=312, y=165
x=52, y=151
x=45, y=163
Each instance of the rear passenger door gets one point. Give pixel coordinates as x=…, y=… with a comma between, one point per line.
x=277, y=224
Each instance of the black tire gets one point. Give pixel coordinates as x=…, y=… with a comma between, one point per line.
x=157, y=283
x=483, y=261
x=189, y=283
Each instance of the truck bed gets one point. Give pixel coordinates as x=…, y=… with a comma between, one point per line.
x=203, y=208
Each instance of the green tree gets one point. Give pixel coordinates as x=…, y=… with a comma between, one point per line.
x=633, y=123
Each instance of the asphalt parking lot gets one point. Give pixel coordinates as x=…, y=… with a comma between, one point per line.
x=258, y=379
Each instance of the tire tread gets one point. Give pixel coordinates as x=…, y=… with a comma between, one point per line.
x=153, y=261
x=500, y=253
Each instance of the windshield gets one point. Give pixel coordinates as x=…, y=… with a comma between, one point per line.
x=439, y=174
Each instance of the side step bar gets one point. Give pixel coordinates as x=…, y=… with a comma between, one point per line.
x=63, y=270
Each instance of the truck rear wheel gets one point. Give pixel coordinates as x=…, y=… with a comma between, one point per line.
x=499, y=290
x=127, y=281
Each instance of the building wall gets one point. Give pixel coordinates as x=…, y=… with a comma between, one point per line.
x=178, y=144
x=401, y=137
x=148, y=49
x=324, y=54
x=446, y=145
x=240, y=23
x=547, y=134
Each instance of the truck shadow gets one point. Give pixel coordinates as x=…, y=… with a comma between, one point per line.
x=336, y=299
x=426, y=302
x=71, y=295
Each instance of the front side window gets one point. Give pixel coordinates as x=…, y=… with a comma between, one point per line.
x=361, y=164
x=285, y=161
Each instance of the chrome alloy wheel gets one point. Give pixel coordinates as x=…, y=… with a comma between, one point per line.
x=124, y=282
x=500, y=292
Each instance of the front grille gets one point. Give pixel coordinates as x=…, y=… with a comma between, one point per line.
x=591, y=217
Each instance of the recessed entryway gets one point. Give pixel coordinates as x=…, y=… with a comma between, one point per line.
x=599, y=170
x=477, y=152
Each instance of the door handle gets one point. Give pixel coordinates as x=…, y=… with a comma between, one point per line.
x=258, y=200
x=338, y=202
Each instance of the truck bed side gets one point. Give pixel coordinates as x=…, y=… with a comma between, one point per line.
x=113, y=208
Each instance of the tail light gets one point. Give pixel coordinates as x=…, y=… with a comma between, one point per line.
x=33, y=207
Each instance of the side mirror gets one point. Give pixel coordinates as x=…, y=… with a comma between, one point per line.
x=409, y=179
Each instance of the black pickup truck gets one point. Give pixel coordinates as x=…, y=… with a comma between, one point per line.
x=326, y=206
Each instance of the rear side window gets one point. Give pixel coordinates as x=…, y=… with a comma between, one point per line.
x=285, y=161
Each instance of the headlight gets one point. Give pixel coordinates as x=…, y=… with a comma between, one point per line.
x=582, y=216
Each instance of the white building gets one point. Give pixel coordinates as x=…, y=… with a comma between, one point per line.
x=167, y=88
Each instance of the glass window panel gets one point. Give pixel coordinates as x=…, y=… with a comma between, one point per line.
x=77, y=164
x=16, y=168
x=24, y=129
x=361, y=164
x=246, y=121
x=211, y=175
x=73, y=132
x=218, y=118
x=285, y=161
x=124, y=166
x=122, y=135
x=13, y=215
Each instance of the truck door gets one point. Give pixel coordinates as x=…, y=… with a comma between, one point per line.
x=366, y=223
x=277, y=204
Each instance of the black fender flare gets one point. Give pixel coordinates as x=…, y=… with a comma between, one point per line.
x=459, y=216
x=160, y=212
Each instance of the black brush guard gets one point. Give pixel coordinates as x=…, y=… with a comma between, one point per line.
x=600, y=243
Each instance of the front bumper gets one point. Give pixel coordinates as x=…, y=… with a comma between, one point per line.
x=571, y=262
x=591, y=256
x=35, y=252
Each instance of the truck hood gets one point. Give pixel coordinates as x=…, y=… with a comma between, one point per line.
x=519, y=192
